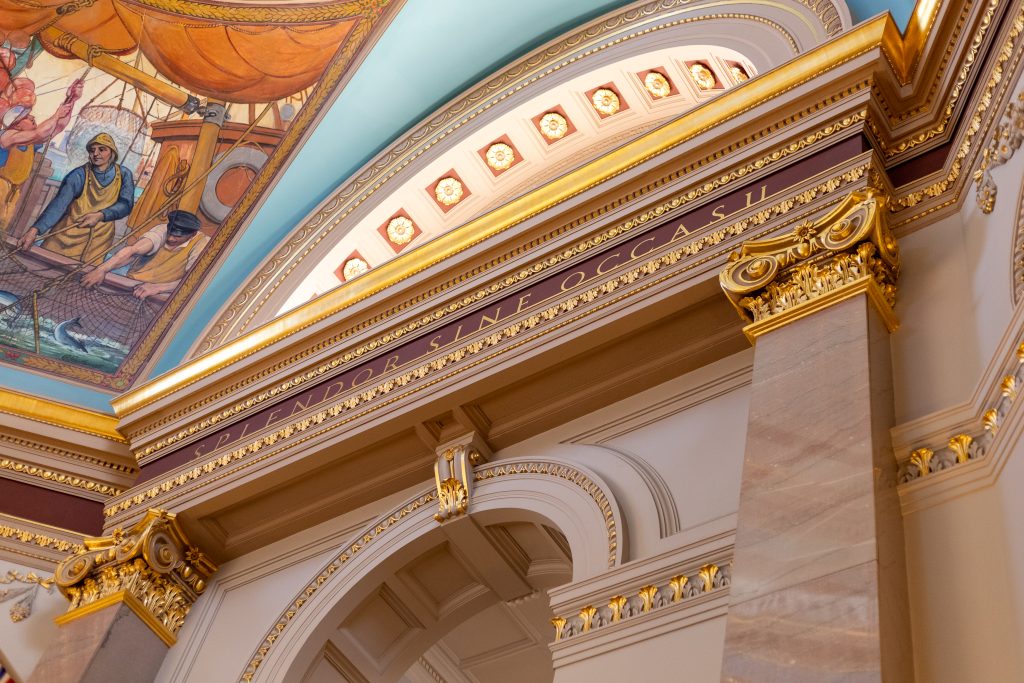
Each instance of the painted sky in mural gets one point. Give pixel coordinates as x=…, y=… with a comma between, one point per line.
x=129, y=129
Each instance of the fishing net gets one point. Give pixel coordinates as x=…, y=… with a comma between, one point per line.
x=92, y=327
x=124, y=125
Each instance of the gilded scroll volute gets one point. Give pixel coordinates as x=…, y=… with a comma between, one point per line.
x=152, y=567
x=849, y=244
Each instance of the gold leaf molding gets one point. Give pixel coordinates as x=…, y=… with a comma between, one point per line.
x=331, y=417
x=648, y=598
x=775, y=281
x=152, y=568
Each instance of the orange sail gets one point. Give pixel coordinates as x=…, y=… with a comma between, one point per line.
x=96, y=23
x=237, y=52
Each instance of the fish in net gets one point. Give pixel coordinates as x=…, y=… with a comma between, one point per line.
x=44, y=309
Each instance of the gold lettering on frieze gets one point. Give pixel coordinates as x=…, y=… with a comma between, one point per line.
x=689, y=196
x=583, y=276
x=649, y=267
x=764, y=195
x=600, y=266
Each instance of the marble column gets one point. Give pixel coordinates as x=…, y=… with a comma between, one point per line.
x=130, y=593
x=818, y=588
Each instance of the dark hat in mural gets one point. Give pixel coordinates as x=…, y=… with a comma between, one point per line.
x=182, y=222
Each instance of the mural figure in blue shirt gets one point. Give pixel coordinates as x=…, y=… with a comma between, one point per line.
x=20, y=139
x=79, y=221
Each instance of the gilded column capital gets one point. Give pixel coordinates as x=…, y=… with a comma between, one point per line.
x=152, y=568
x=848, y=251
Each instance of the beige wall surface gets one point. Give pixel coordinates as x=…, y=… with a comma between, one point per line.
x=672, y=456
x=692, y=654
x=22, y=642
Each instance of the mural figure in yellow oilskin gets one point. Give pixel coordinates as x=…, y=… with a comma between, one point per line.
x=79, y=221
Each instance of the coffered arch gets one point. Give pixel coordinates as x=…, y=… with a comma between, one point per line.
x=697, y=50
x=532, y=524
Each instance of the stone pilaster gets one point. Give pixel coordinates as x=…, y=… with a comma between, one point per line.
x=130, y=593
x=819, y=581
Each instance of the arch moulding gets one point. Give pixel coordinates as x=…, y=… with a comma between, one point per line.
x=561, y=494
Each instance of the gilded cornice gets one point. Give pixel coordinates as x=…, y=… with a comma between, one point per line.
x=695, y=193
x=152, y=568
x=1009, y=135
x=38, y=541
x=535, y=68
x=842, y=49
x=64, y=480
x=849, y=250
x=948, y=189
x=60, y=415
x=969, y=445
x=509, y=336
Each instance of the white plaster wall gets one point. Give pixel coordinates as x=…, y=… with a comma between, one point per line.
x=22, y=643
x=689, y=432
x=247, y=595
x=954, y=301
x=692, y=654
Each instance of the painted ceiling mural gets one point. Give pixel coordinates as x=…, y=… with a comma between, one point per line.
x=134, y=137
x=153, y=75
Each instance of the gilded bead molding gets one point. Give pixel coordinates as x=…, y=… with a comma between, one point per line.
x=644, y=600
x=850, y=250
x=152, y=568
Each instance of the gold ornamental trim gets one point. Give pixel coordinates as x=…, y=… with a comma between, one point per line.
x=60, y=415
x=474, y=353
x=682, y=199
x=304, y=13
x=62, y=478
x=845, y=47
x=152, y=568
x=848, y=251
x=679, y=587
x=1008, y=57
x=27, y=532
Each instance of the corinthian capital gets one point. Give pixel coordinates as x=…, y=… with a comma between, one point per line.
x=152, y=568
x=848, y=251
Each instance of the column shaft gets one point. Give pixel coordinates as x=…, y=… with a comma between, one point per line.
x=819, y=583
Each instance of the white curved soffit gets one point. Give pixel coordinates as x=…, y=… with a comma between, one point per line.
x=349, y=232
x=564, y=495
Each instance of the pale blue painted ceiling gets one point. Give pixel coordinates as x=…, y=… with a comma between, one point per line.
x=433, y=50
x=394, y=89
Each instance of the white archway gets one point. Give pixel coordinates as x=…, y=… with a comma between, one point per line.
x=551, y=492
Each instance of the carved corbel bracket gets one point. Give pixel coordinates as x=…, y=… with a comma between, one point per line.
x=152, y=568
x=453, y=474
x=848, y=251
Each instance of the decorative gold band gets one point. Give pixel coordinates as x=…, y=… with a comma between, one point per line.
x=847, y=252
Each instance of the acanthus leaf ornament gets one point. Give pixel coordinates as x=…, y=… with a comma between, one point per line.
x=152, y=568
x=453, y=476
x=1009, y=135
x=772, y=281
